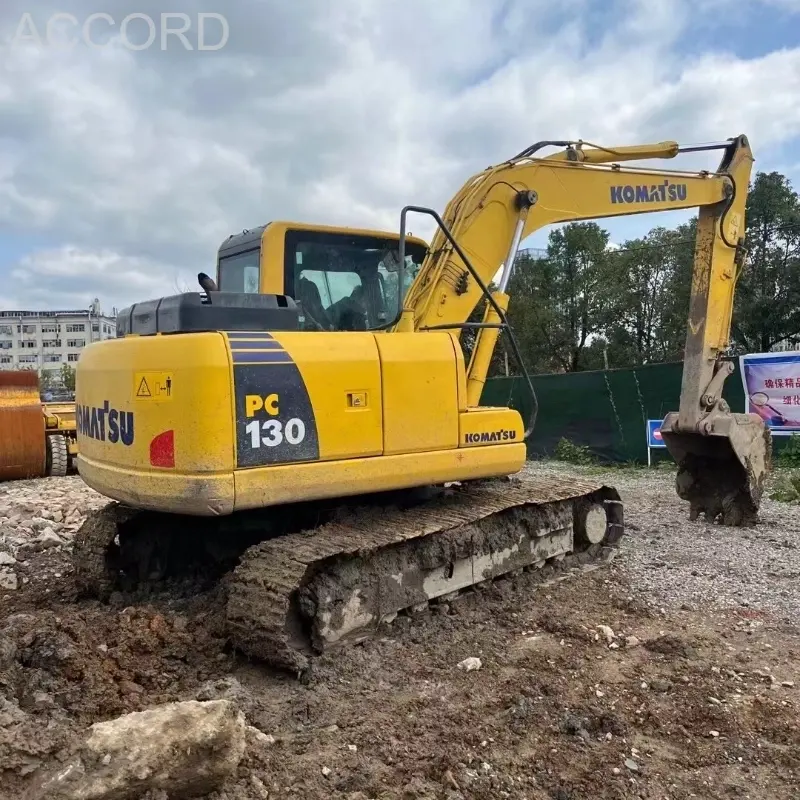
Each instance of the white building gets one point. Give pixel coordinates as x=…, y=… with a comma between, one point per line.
x=786, y=346
x=45, y=340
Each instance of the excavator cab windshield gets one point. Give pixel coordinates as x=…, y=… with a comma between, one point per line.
x=341, y=280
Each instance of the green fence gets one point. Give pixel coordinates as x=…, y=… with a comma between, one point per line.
x=605, y=411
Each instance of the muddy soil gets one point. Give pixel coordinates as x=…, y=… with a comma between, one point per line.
x=612, y=685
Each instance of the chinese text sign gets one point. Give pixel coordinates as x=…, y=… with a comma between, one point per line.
x=772, y=389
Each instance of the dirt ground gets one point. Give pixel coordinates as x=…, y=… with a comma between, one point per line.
x=636, y=680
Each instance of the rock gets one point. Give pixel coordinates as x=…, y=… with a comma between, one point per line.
x=129, y=687
x=258, y=787
x=48, y=538
x=43, y=701
x=8, y=653
x=227, y=688
x=8, y=580
x=181, y=749
x=574, y=726
x=788, y=684
x=713, y=734
x=326, y=771
x=10, y=713
x=631, y=765
x=6, y=559
x=470, y=664
x=632, y=641
x=607, y=632
x=258, y=738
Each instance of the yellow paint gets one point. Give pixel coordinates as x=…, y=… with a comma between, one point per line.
x=482, y=218
x=482, y=427
x=201, y=413
x=153, y=385
x=209, y=495
x=255, y=403
x=273, y=240
x=334, y=366
x=484, y=349
x=197, y=493
x=420, y=402
x=394, y=408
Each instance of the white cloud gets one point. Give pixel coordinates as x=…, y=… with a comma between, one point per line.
x=136, y=165
x=68, y=273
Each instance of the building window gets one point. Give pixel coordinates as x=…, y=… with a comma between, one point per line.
x=53, y=358
x=28, y=359
x=95, y=327
x=6, y=360
x=6, y=345
x=73, y=356
x=26, y=329
x=30, y=344
x=76, y=342
x=76, y=328
x=8, y=330
x=49, y=328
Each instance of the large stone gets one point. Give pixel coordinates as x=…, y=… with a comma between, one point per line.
x=8, y=580
x=182, y=749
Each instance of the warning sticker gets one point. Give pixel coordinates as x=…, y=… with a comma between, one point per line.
x=152, y=386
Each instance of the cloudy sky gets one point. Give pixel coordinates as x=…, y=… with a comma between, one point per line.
x=122, y=170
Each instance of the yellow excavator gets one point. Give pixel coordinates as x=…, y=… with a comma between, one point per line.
x=309, y=424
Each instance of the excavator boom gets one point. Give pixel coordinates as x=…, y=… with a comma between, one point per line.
x=723, y=458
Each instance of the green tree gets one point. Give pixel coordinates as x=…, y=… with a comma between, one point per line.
x=68, y=377
x=648, y=297
x=559, y=303
x=767, y=306
x=47, y=380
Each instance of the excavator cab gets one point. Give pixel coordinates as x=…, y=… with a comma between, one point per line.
x=341, y=279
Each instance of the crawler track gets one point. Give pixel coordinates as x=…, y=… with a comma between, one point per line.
x=305, y=591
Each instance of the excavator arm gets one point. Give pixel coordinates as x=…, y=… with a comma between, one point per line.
x=723, y=458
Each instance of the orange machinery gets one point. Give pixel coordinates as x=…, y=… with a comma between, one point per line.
x=36, y=439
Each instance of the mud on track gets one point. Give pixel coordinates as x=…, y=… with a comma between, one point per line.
x=701, y=702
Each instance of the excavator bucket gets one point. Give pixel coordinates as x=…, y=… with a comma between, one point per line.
x=722, y=469
x=22, y=436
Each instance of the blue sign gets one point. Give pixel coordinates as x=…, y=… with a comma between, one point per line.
x=654, y=438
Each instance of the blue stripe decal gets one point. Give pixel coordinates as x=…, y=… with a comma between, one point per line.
x=273, y=357
x=787, y=359
x=264, y=344
x=239, y=335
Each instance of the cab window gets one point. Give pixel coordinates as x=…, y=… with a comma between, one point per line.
x=346, y=282
x=240, y=272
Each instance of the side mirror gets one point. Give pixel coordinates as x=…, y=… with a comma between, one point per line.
x=207, y=283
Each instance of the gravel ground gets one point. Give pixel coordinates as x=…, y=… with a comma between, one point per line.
x=698, y=564
x=670, y=673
